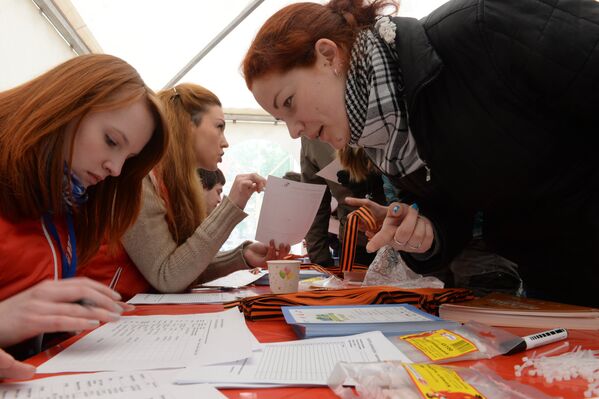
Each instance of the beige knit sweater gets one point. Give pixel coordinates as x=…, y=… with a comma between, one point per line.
x=172, y=268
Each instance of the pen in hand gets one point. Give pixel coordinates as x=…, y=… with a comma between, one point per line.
x=115, y=278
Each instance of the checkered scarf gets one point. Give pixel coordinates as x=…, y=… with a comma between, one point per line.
x=375, y=107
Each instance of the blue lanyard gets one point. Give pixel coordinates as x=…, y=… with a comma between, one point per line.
x=68, y=267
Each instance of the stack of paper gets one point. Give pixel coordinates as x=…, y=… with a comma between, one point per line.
x=392, y=319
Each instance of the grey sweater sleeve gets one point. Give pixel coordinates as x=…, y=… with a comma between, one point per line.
x=172, y=268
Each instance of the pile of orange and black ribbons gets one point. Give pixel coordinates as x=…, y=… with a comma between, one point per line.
x=268, y=306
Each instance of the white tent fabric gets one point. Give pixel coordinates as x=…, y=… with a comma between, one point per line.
x=28, y=43
x=159, y=38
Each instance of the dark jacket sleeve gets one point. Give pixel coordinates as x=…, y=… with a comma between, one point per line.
x=548, y=52
x=453, y=231
x=317, y=241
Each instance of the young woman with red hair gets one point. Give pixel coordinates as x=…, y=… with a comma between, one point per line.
x=175, y=242
x=75, y=145
x=483, y=107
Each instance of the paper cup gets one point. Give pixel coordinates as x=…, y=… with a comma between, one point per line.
x=283, y=276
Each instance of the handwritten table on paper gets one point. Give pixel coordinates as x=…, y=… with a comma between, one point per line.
x=152, y=342
x=130, y=385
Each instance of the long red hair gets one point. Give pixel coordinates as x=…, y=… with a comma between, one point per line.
x=287, y=39
x=33, y=134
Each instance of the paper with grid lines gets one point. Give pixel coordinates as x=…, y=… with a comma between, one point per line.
x=306, y=362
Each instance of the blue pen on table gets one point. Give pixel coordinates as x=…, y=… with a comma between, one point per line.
x=539, y=339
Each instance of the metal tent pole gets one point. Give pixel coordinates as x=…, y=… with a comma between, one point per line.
x=247, y=11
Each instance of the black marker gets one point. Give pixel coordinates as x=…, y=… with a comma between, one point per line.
x=542, y=338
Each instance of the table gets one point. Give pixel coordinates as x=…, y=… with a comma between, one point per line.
x=278, y=330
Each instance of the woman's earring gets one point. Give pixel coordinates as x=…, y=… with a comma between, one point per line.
x=336, y=72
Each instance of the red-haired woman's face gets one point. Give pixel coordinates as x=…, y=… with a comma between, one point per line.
x=209, y=138
x=106, y=139
x=311, y=101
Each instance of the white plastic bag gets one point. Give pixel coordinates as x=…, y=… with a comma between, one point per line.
x=395, y=380
x=471, y=341
x=388, y=268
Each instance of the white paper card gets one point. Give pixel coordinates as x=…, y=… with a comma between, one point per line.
x=288, y=210
x=239, y=278
x=157, y=342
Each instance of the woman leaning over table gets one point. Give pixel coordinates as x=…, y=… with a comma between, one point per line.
x=483, y=106
x=173, y=243
x=75, y=144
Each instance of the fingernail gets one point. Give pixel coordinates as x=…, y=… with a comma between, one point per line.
x=415, y=206
x=114, y=316
x=396, y=209
x=118, y=308
x=93, y=323
x=116, y=296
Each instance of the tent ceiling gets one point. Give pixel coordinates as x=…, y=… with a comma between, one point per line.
x=160, y=38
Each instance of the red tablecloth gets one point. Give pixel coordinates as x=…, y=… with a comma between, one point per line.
x=276, y=331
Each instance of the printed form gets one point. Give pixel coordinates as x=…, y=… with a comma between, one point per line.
x=157, y=342
x=306, y=362
x=110, y=385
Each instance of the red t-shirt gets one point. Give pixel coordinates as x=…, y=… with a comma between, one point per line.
x=104, y=265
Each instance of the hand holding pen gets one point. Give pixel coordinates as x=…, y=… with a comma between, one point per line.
x=53, y=306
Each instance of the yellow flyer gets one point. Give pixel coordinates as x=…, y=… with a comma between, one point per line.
x=439, y=382
x=440, y=344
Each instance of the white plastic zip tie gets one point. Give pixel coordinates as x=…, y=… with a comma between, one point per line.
x=582, y=363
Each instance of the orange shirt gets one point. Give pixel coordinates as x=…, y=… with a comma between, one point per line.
x=26, y=256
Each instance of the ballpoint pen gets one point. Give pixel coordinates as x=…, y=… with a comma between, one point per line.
x=115, y=278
